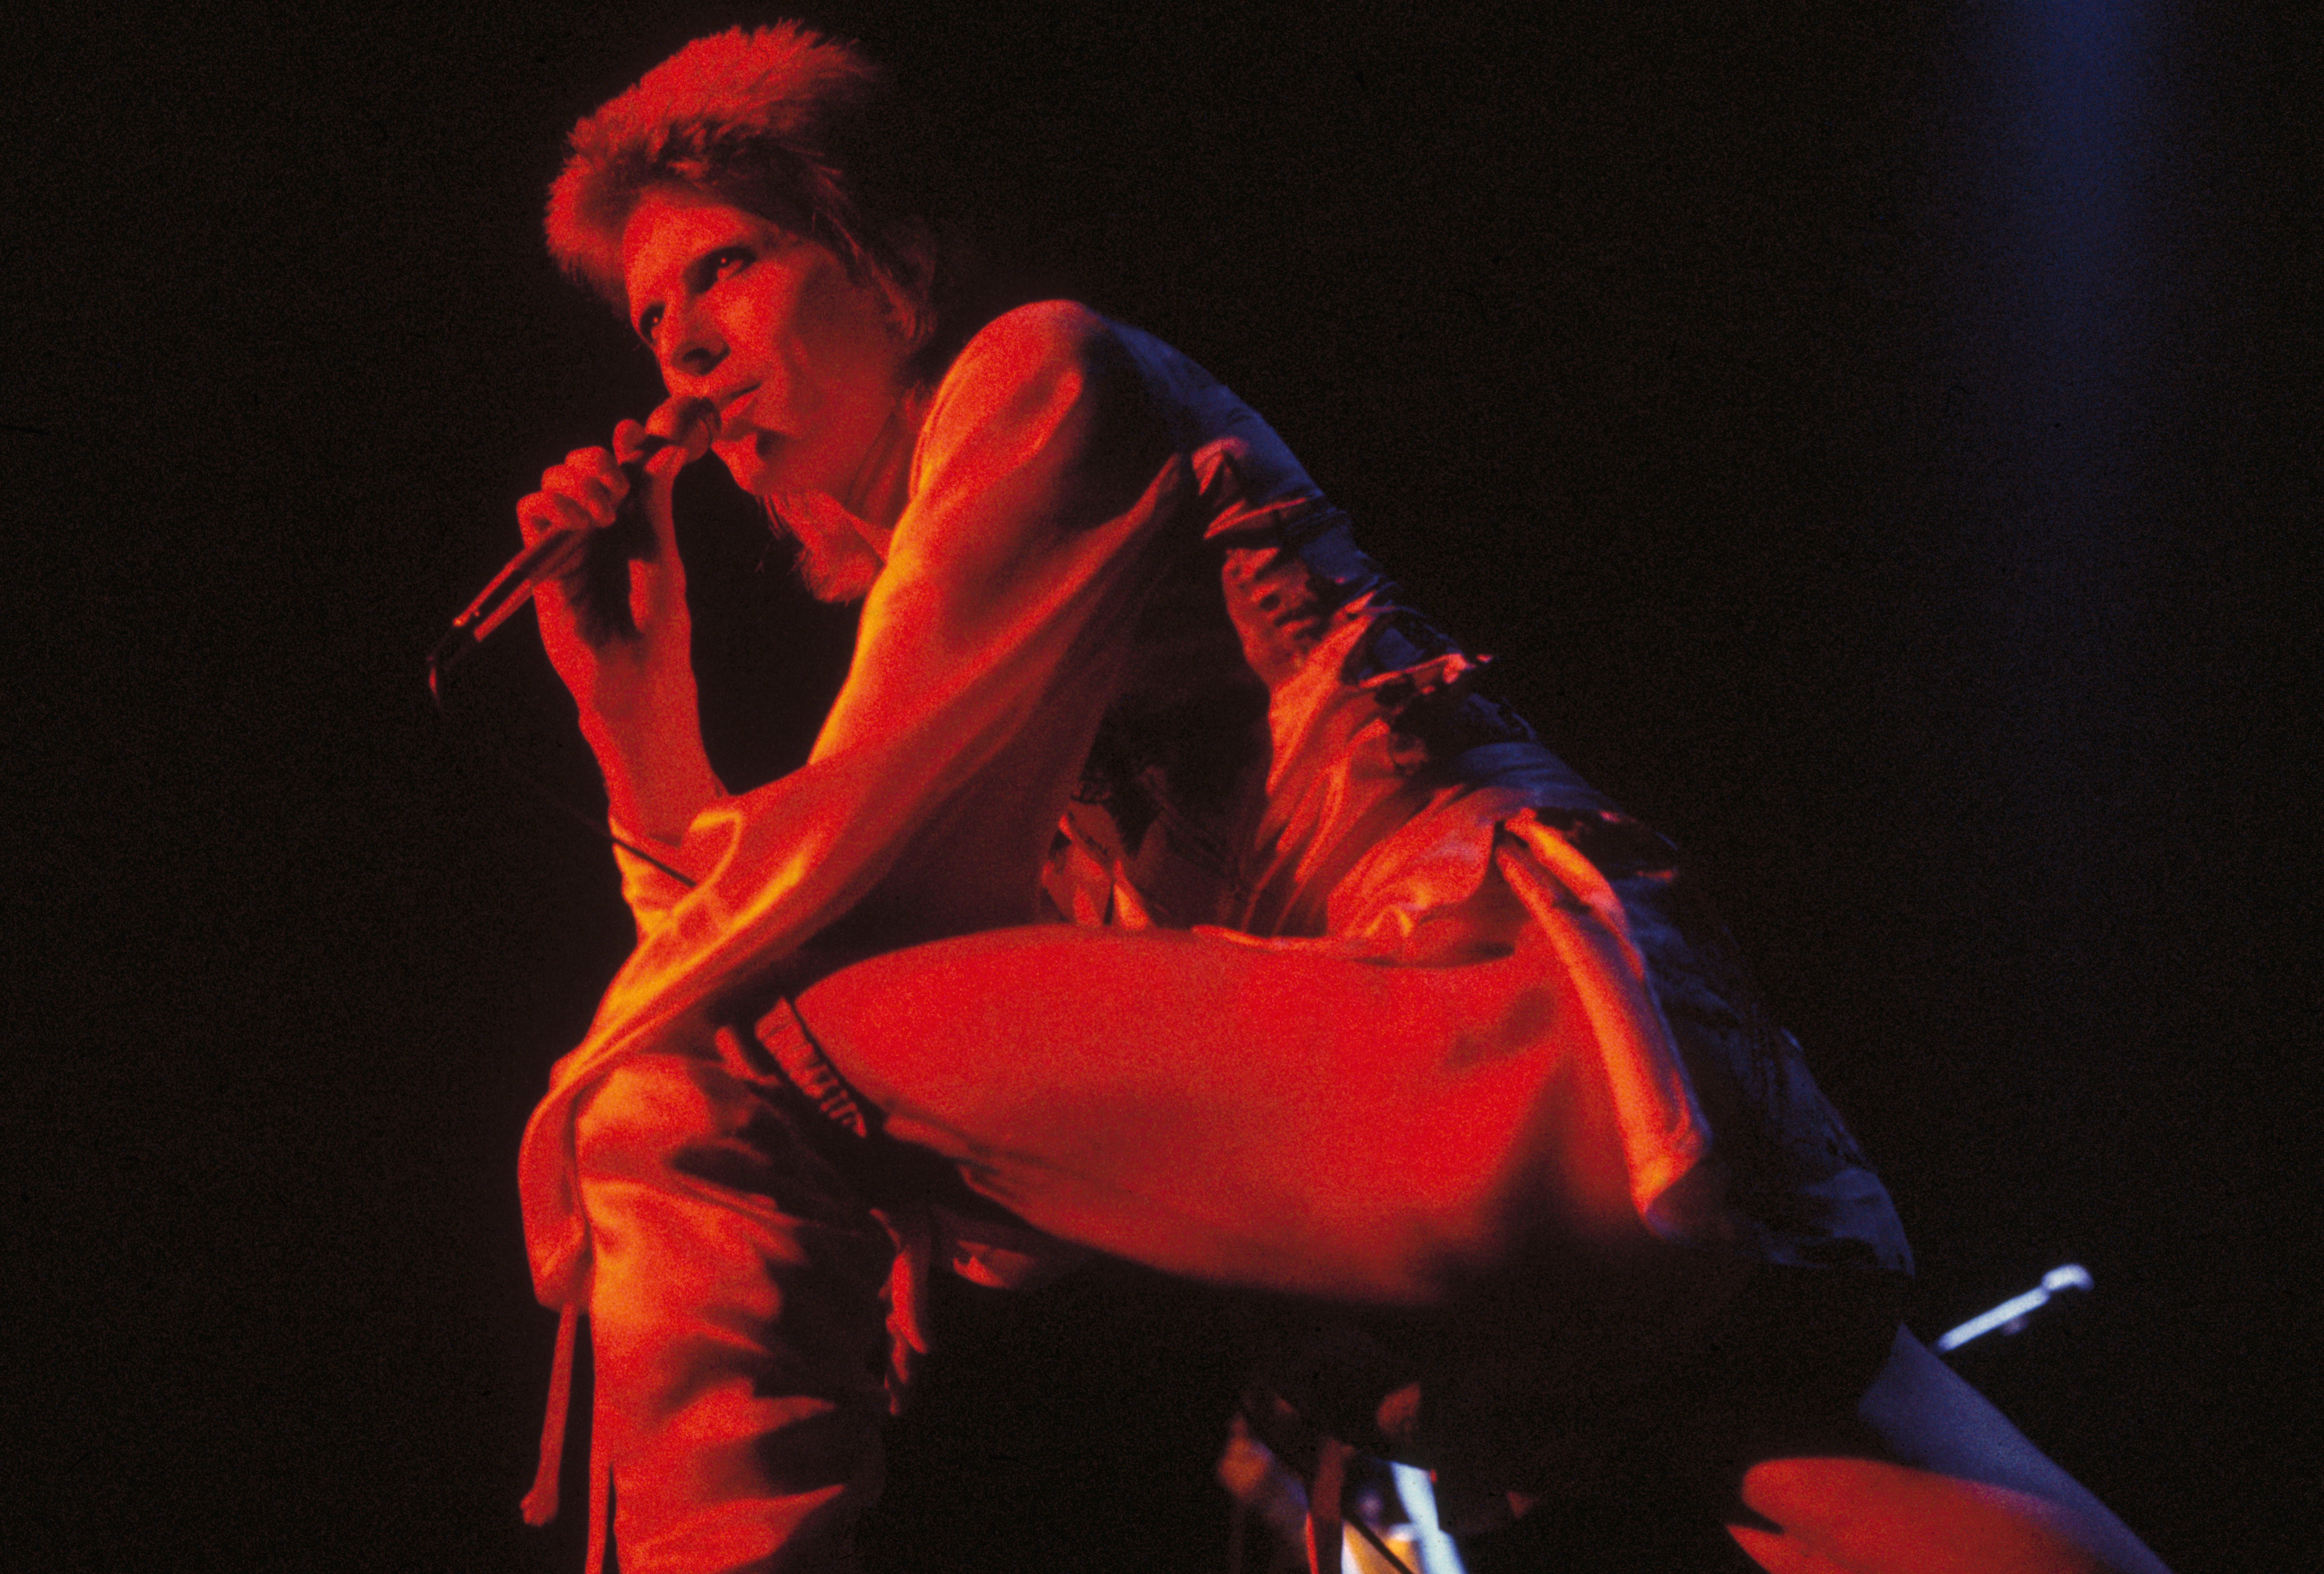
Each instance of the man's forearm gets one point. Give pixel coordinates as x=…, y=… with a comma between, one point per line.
x=658, y=775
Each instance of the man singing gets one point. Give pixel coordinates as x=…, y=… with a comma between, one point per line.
x=1157, y=886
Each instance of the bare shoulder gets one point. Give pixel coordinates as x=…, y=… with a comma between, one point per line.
x=1059, y=376
x=1045, y=329
x=1047, y=343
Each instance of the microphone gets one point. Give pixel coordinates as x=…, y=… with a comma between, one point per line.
x=554, y=552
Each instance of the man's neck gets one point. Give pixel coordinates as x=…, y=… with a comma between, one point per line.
x=882, y=484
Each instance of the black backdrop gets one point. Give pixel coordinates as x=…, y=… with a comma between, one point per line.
x=1880, y=450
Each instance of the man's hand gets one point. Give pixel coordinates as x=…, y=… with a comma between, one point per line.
x=633, y=685
x=611, y=657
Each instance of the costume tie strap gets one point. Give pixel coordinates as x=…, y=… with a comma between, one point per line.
x=540, y=1502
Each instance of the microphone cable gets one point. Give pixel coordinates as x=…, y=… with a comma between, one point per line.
x=605, y=613
x=440, y=687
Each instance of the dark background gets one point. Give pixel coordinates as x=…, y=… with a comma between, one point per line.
x=1880, y=443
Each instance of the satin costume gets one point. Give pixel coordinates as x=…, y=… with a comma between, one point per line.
x=1160, y=879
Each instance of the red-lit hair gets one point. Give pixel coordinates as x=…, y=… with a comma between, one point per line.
x=779, y=121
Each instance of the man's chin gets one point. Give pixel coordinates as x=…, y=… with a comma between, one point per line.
x=837, y=578
x=836, y=563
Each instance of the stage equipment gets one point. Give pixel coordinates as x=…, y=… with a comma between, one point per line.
x=2005, y=1316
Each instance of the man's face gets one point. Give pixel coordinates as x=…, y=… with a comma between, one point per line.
x=805, y=365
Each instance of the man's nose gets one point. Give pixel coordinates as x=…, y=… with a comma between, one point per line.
x=691, y=345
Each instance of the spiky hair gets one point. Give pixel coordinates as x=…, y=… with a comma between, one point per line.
x=777, y=121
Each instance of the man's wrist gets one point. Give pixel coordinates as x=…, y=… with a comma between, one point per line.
x=655, y=791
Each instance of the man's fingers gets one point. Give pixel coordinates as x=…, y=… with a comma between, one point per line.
x=545, y=511
x=683, y=425
x=598, y=464
x=647, y=588
x=661, y=467
x=598, y=491
x=582, y=493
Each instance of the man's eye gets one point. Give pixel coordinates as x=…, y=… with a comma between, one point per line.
x=647, y=322
x=725, y=264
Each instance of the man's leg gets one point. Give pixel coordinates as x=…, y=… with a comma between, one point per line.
x=1292, y=1120
x=1930, y=1479
x=736, y=1325
x=1280, y=1119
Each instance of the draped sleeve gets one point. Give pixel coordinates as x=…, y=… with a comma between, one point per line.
x=1044, y=485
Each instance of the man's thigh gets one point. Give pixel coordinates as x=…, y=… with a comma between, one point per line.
x=1282, y=1118
x=1926, y=1478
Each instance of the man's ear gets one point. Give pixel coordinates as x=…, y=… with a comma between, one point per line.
x=911, y=294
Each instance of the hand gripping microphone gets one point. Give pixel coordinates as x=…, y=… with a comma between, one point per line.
x=554, y=552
